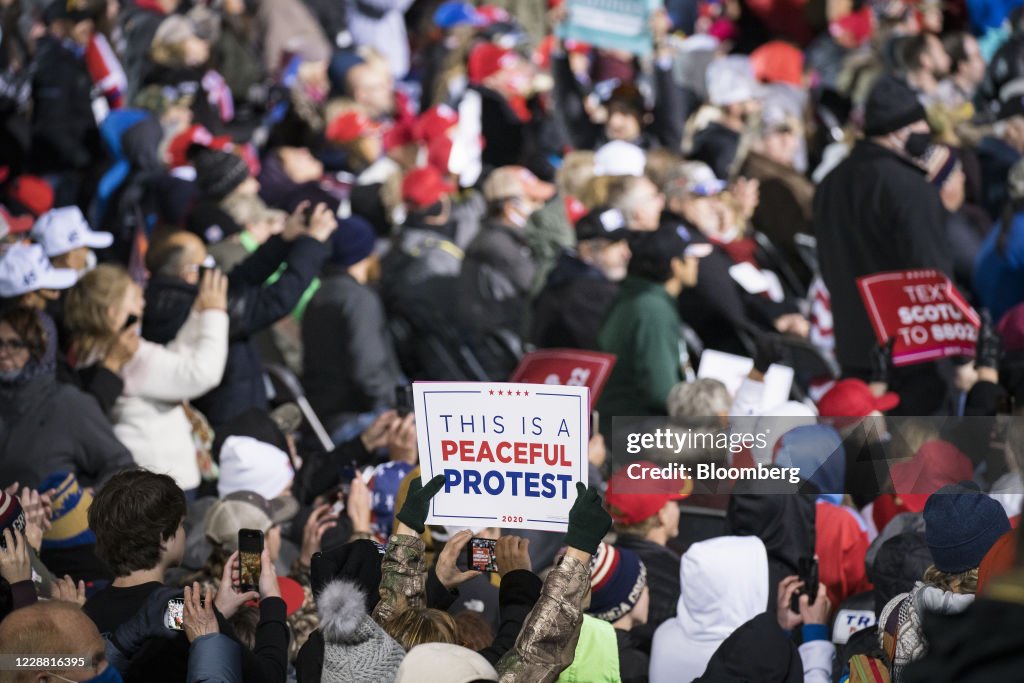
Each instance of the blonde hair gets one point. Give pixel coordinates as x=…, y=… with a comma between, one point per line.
x=639, y=529
x=964, y=583
x=577, y=170
x=87, y=312
x=415, y=626
x=168, y=45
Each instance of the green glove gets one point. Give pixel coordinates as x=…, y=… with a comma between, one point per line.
x=588, y=520
x=417, y=503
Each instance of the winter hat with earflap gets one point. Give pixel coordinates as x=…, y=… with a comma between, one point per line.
x=356, y=649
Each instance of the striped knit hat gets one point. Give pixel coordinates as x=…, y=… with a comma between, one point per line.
x=11, y=514
x=617, y=579
x=70, y=524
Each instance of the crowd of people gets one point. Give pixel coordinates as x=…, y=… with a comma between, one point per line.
x=233, y=233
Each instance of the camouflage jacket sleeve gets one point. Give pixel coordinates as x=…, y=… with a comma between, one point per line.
x=547, y=642
x=403, y=578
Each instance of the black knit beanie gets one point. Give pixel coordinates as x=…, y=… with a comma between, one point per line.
x=219, y=173
x=891, y=105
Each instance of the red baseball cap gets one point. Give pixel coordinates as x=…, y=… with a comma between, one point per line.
x=851, y=399
x=631, y=500
x=423, y=187
x=487, y=59
x=350, y=126
x=435, y=122
x=778, y=62
x=32, y=192
x=16, y=225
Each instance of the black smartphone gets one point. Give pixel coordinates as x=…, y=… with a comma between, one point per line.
x=807, y=570
x=403, y=399
x=250, y=547
x=131, y=321
x=174, y=616
x=480, y=555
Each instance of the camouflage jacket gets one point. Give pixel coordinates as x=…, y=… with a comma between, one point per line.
x=547, y=641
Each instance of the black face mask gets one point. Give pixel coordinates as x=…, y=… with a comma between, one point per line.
x=917, y=144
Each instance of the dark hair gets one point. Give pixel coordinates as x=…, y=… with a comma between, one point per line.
x=912, y=49
x=954, y=43
x=131, y=515
x=26, y=324
x=653, y=253
x=165, y=258
x=244, y=622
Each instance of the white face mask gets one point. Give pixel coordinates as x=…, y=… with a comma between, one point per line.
x=90, y=263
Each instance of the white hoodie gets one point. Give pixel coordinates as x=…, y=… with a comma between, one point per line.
x=723, y=585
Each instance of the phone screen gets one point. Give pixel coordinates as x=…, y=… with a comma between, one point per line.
x=250, y=547
x=480, y=555
x=175, y=612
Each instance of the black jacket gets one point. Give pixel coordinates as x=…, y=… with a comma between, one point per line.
x=252, y=307
x=874, y=212
x=784, y=522
x=634, y=655
x=570, y=309
x=350, y=364
x=757, y=651
x=662, y=577
x=64, y=132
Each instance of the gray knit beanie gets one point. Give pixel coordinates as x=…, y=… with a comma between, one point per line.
x=356, y=649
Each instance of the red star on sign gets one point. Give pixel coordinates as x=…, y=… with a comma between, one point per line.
x=519, y=393
x=526, y=393
x=500, y=393
x=492, y=392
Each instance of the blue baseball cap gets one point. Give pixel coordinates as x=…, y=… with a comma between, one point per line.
x=451, y=14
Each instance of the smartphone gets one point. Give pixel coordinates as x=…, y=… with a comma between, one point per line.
x=403, y=399
x=595, y=422
x=480, y=555
x=175, y=613
x=807, y=570
x=131, y=321
x=250, y=547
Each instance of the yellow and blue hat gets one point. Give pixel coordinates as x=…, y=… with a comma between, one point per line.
x=69, y=526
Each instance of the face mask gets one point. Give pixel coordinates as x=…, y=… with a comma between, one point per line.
x=917, y=144
x=90, y=263
x=9, y=375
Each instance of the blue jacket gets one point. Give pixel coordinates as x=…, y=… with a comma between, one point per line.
x=214, y=658
x=999, y=274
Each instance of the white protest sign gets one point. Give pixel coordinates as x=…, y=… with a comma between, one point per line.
x=511, y=454
x=730, y=370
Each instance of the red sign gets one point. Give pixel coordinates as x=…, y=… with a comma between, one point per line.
x=923, y=311
x=570, y=367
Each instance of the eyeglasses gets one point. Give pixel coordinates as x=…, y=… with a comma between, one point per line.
x=12, y=345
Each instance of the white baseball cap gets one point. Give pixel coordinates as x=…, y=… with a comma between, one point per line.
x=619, y=157
x=26, y=268
x=60, y=230
x=731, y=80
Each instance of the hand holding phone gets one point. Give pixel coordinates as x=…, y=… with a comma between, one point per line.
x=250, y=547
x=403, y=399
x=481, y=556
x=808, y=573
